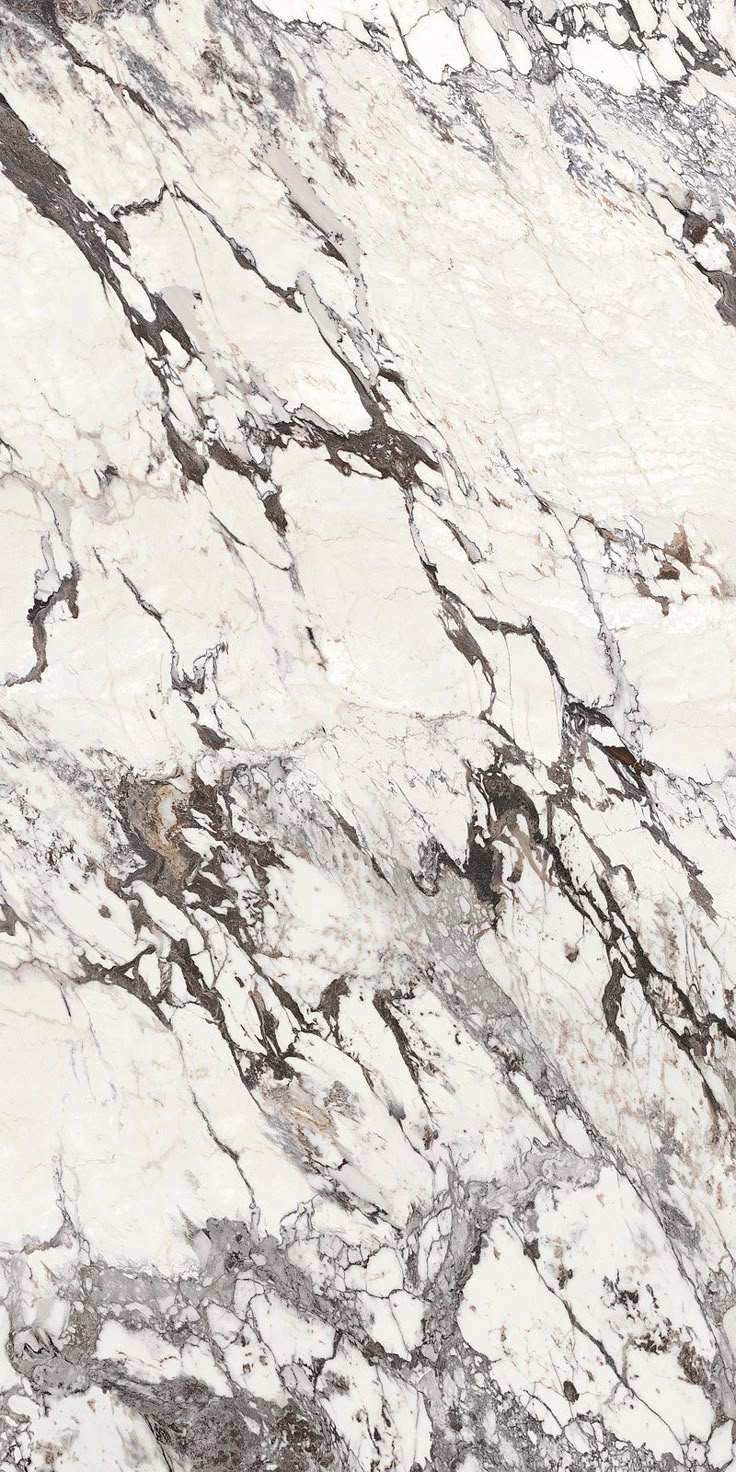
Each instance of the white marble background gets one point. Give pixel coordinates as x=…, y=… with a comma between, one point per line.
x=367, y=1067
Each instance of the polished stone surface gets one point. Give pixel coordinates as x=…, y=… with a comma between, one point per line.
x=367, y=780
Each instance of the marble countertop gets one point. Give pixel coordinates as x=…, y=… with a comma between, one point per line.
x=367, y=775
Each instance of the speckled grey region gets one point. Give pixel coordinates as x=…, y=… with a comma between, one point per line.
x=367, y=738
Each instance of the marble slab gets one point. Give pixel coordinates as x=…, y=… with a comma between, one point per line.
x=367, y=741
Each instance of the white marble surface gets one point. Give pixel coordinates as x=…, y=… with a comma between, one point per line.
x=367, y=653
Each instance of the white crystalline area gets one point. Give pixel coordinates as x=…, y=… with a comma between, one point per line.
x=577, y=1351
x=367, y=919
x=442, y=40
